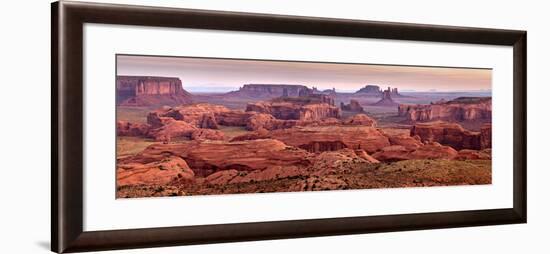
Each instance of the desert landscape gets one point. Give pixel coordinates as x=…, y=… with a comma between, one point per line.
x=279, y=137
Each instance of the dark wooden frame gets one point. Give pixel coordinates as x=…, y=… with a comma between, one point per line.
x=67, y=233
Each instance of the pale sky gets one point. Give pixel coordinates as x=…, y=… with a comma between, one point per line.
x=221, y=73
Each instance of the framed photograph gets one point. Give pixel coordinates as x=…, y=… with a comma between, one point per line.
x=178, y=126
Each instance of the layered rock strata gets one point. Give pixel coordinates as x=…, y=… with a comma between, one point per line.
x=453, y=134
x=147, y=91
x=460, y=109
x=208, y=157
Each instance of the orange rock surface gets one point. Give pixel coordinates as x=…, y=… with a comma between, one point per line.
x=360, y=119
x=327, y=138
x=451, y=134
x=208, y=157
x=460, y=109
x=158, y=172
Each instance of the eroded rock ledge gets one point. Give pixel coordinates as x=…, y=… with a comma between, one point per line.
x=459, y=109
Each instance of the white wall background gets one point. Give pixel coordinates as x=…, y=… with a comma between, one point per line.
x=25, y=125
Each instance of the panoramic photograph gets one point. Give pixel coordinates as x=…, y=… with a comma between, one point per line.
x=190, y=126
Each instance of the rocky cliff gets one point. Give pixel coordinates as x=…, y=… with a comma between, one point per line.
x=452, y=134
x=459, y=109
x=205, y=158
x=327, y=138
x=271, y=91
x=147, y=91
x=307, y=108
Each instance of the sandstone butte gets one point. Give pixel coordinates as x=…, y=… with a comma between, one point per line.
x=452, y=134
x=266, y=91
x=459, y=109
x=208, y=157
x=147, y=91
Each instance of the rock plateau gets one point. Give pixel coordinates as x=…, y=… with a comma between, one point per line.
x=148, y=91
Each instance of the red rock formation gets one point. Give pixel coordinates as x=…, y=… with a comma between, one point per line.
x=360, y=119
x=467, y=154
x=146, y=91
x=258, y=134
x=331, y=162
x=193, y=114
x=234, y=117
x=432, y=150
x=299, y=108
x=354, y=137
x=315, y=112
x=392, y=153
x=157, y=118
x=268, y=122
x=410, y=143
x=208, y=157
x=208, y=121
x=352, y=106
x=485, y=136
x=260, y=121
x=181, y=129
x=207, y=134
x=124, y=128
x=328, y=138
x=166, y=123
x=222, y=177
x=157, y=172
x=363, y=155
x=173, y=129
x=315, y=146
x=451, y=134
x=459, y=109
x=202, y=115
